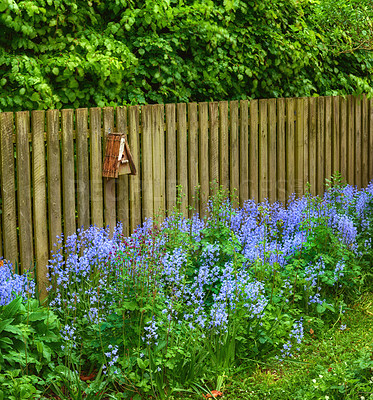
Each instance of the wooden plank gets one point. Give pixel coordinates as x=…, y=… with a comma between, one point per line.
x=343, y=129
x=147, y=161
x=234, y=153
x=8, y=188
x=290, y=148
x=40, y=200
x=161, y=128
x=68, y=178
x=223, y=145
x=244, y=151
x=82, y=157
x=158, y=161
x=54, y=178
x=328, y=137
x=351, y=140
x=214, y=147
x=26, y=246
x=272, y=149
x=254, y=151
x=97, y=212
x=358, y=140
x=122, y=188
x=182, y=157
x=336, y=134
x=203, y=157
x=110, y=213
x=312, y=140
x=370, y=112
x=193, y=156
x=1, y=225
x=263, y=150
x=306, y=172
x=299, y=147
x=320, y=145
x=134, y=181
x=365, y=142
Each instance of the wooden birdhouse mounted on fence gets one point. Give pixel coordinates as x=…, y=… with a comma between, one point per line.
x=118, y=159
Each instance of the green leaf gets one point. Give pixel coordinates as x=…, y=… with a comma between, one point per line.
x=5, y=323
x=13, y=329
x=320, y=308
x=35, y=97
x=143, y=364
x=329, y=307
x=3, y=5
x=129, y=305
x=11, y=309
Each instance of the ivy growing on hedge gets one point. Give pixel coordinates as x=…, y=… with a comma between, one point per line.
x=68, y=53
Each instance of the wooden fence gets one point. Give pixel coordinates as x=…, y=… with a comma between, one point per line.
x=51, y=162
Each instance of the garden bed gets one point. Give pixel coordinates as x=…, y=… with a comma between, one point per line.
x=232, y=302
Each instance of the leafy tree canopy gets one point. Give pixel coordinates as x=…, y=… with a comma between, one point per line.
x=68, y=53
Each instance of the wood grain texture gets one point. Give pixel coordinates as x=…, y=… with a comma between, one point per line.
x=312, y=140
x=223, y=145
x=214, y=147
x=351, y=140
x=25, y=223
x=343, y=129
x=97, y=204
x=122, y=187
x=193, y=182
x=244, y=151
x=147, y=161
x=306, y=172
x=134, y=180
x=110, y=212
x=182, y=156
x=290, y=148
x=82, y=159
x=336, y=136
x=299, y=147
x=263, y=150
x=370, y=128
x=358, y=141
x=234, y=152
x=54, y=179
x=172, y=154
x=40, y=200
x=68, y=177
x=203, y=154
x=158, y=161
x=364, y=142
x=8, y=188
x=328, y=137
x=320, y=145
x=254, y=151
x=272, y=151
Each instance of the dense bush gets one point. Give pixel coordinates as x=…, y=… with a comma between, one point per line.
x=65, y=53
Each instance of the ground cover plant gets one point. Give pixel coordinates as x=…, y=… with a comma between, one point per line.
x=183, y=305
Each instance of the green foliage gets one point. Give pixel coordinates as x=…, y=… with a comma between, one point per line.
x=29, y=336
x=29, y=344
x=62, y=53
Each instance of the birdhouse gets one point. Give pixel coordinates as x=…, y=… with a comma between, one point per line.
x=118, y=159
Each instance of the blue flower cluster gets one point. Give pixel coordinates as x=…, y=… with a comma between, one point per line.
x=216, y=269
x=13, y=285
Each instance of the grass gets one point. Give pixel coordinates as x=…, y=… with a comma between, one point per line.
x=328, y=367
